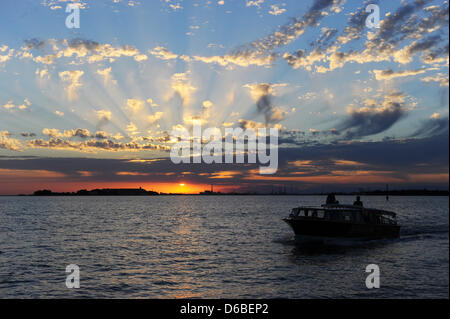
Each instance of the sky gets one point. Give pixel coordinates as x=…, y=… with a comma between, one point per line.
x=93, y=107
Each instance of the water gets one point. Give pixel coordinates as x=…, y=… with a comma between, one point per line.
x=211, y=247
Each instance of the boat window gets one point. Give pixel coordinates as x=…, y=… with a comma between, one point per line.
x=387, y=220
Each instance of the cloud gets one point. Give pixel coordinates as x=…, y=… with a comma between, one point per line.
x=355, y=26
x=201, y=117
x=82, y=49
x=434, y=126
x=106, y=74
x=132, y=128
x=174, y=5
x=406, y=54
x=7, y=55
x=248, y=124
x=81, y=133
x=94, y=145
x=440, y=78
x=151, y=102
x=253, y=3
x=103, y=117
x=163, y=53
x=292, y=30
x=140, y=57
x=72, y=80
x=389, y=74
x=28, y=134
x=275, y=10
x=135, y=105
x=42, y=73
x=8, y=143
x=437, y=55
x=243, y=59
x=52, y=132
x=56, y=4
x=261, y=52
x=11, y=106
x=155, y=117
x=101, y=135
x=262, y=94
x=418, y=162
x=372, y=118
x=301, y=59
x=95, y=51
x=182, y=86
x=308, y=96
x=391, y=42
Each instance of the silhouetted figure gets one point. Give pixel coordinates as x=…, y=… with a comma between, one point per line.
x=358, y=201
x=331, y=200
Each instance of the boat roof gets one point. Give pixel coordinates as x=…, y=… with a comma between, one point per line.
x=339, y=207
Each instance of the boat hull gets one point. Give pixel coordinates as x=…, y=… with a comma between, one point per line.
x=310, y=229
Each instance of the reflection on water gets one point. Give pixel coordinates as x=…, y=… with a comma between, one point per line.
x=210, y=247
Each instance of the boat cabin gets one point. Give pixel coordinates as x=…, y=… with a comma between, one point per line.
x=345, y=213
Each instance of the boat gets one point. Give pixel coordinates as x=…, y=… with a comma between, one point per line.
x=334, y=222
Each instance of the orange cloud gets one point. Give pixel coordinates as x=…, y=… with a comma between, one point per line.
x=347, y=178
x=347, y=163
x=34, y=174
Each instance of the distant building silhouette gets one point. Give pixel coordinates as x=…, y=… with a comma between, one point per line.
x=211, y=192
x=101, y=192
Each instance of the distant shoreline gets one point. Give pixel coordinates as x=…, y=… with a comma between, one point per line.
x=144, y=193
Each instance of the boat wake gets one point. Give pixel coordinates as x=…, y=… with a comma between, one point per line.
x=407, y=234
x=424, y=230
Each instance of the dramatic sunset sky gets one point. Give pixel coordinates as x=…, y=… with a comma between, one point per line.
x=93, y=107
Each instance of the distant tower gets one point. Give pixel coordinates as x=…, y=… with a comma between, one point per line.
x=387, y=192
x=212, y=188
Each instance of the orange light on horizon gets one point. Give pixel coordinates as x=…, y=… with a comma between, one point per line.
x=178, y=188
x=17, y=186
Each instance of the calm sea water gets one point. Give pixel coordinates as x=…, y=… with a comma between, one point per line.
x=211, y=247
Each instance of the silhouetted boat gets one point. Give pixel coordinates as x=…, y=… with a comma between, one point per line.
x=334, y=222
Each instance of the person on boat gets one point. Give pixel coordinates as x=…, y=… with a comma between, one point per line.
x=358, y=202
x=331, y=200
